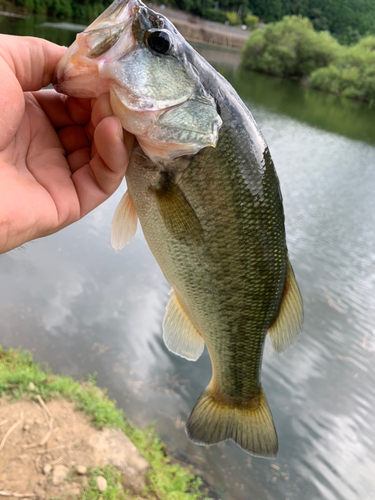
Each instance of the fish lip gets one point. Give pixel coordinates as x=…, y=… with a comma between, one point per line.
x=119, y=13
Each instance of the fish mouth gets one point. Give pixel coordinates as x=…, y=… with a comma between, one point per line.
x=105, y=40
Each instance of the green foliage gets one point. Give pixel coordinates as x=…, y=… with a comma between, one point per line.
x=215, y=15
x=63, y=9
x=268, y=10
x=113, y=491
x=251, y=21
x=289, y=48
x=233, y=18
x=352, y=74
x=166, y=480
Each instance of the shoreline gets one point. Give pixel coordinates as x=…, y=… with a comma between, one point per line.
x=5, y=13
x=59, y=426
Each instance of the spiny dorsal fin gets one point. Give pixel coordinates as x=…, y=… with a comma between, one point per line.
x=178, y=215
x=288, y=324
x=179, y=333
x=250, y=426
x=124, y=222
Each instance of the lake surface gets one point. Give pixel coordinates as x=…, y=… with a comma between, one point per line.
x=83, y=308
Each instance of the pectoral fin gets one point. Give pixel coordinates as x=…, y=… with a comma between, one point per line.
x=179, y=333
x=288, y=324
x=178, y=215
x=124, y=222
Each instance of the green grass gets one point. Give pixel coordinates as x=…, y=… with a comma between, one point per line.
x=113, y=491
x=166, y=480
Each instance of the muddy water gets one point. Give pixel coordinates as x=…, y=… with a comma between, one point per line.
x=83, y=308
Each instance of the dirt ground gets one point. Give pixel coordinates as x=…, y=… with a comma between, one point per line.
x=42, y=445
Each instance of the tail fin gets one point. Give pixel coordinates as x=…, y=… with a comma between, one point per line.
x=252, y=427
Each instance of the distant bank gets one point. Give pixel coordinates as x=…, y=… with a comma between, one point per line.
x=193, y=28
x=198, y=30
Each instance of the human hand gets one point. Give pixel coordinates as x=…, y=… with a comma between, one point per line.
x=60, y=157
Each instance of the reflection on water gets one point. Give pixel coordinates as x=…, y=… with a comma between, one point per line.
x=84, y=308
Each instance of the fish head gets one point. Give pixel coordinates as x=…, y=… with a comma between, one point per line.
x=156, y=90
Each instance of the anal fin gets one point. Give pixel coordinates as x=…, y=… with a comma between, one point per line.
x=124, y=222
x=179, y=334
x=288, y=324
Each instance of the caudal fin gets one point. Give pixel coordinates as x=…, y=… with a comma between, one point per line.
x=251, y=427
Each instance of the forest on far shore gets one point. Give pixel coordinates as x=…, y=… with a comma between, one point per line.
x=291, y=48
x=346, y=20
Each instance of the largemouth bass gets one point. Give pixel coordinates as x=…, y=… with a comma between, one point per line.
x=203, y=185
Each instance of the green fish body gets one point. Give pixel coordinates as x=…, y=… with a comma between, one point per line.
x=212, y=216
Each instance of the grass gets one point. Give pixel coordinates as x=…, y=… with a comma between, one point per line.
x=113, y=491
x=166, y=480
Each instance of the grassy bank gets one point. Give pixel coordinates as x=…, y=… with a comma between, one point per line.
x=166, y=480
x=292, y=48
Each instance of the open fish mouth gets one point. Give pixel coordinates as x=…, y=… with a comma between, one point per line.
x=106, y=40
x=139, y=58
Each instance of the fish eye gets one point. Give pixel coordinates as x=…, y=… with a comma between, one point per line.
x=159, y=42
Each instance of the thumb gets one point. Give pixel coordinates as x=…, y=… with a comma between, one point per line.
x=32, y=60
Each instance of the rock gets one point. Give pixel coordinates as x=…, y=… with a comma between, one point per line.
x=59, y=474
x=26, y=427
x=112, y=447
x=81, y=469
x=102, y=483
x=31, y=386
x=85, y=482
x=47, y=469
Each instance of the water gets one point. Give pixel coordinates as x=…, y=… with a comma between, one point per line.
x=83, y=308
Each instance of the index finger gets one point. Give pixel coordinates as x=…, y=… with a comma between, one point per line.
x=32, y=60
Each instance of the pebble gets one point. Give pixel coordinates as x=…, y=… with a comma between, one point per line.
x=59, y=474
x=31, y=386
x=81, y=469
x=26, y=427
x=47, y=469
x=101, y=483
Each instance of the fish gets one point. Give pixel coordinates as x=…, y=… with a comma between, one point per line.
x=203, y=185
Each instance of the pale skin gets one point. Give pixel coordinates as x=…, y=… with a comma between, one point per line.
x=60, y=157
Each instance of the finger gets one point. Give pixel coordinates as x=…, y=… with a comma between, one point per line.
x=101, y=109
x=32, y=60
x=62, y=110
x=73, y=138
x=79, y=158
x=99, y=179
x=110, y=145
x=79, y=110
x=90, y=129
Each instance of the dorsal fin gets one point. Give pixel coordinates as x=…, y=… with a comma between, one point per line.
x=288, y=324
x=179, y=333
x=124, y=222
